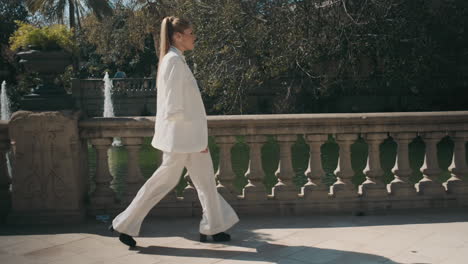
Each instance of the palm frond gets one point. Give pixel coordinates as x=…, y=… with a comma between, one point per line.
x=51, y=9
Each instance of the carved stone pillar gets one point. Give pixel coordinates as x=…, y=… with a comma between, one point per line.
x=343, y=187
x=103, y=196
x=457, y=184
x=225, y=175
x=255, y=189
x=430, y=169
x=285, y=188
x=314, y=188
x=5, y=195
x=373, y=186
x=134, y=179
x=401, y=186
x=48, y=182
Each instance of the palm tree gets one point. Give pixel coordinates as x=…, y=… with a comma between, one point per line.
x=55, y=9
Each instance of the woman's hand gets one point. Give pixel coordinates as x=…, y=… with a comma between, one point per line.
x=204, y=151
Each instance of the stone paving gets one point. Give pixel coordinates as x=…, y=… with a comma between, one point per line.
x=434, y=236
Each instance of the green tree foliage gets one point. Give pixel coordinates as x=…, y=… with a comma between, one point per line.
x=317, y=49
x=10, y=11
x=45, y=38
x=121, y=41
x=304, y=50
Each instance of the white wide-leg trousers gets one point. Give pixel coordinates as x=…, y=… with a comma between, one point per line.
x=218, y=215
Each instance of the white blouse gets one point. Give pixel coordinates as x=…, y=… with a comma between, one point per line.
x=181, y=124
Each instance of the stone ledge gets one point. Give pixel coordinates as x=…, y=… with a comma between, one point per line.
x=294, y=124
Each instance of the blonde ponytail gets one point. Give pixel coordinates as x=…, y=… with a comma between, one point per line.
x=169, y=26
x=164, y=43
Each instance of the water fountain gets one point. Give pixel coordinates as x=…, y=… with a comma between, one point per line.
x=112, y=153
x=108, y=105
x=5, y=103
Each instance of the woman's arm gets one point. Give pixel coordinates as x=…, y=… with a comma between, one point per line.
x=175, y=90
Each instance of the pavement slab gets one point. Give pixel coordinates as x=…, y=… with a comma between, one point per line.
x=430, y=237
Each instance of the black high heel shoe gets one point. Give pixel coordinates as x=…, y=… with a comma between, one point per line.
x=220, y=237
x=124, y=238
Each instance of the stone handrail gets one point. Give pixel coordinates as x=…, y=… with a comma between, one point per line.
x=120, y=84
x=314, y=196
x=292, y=123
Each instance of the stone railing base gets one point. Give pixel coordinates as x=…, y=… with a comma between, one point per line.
x=298, y=207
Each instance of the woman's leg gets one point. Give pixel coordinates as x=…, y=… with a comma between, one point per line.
x=163, y=180
x=218, y=215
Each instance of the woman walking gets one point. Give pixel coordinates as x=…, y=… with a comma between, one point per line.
x=181, y=133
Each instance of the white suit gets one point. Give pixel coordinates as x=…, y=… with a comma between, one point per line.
x=181, y=120
x=181, y=132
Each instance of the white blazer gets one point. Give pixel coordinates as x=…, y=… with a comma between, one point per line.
x=181, y=124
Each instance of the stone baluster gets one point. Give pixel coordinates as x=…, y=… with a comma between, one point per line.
x=225, y=175
x=457, y=184
x=255, y=189
x=400, y=186
x=373, y=186
x=5, y=195
x=314, y=188
x=430, y=169
x=189, y=193
x=134, y=179
x=285, y=188
x=103, y=195
x=343, y=187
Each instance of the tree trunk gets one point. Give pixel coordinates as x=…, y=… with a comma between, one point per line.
x=71, y=13
x=78, y=17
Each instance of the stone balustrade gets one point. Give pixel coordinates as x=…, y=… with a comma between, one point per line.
x=131, y=96
x=137, y=97
x=373, y=194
